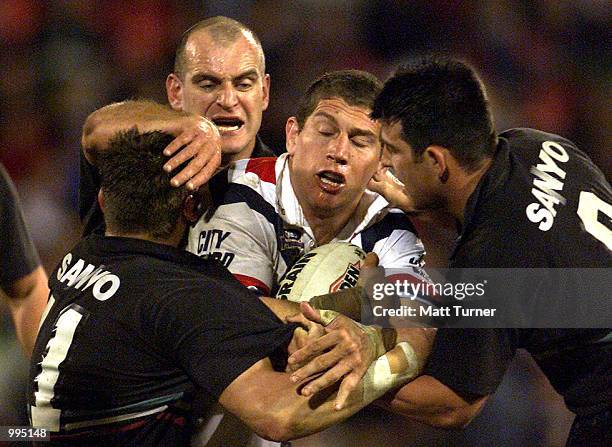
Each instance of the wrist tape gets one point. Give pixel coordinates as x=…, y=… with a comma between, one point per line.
x=383, y=375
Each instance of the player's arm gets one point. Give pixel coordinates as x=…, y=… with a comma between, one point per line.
x=428, y=400
x=26, y=298
x=348, y=351
x=243, y=379
x=197, y=136
x=392, y=189
x=464, y=367
x=387, y=185
x=345, y=352
x=271, y=403
x=425, y=399
x=402, y=248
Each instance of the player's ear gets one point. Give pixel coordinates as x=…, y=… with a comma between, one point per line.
x=266, y=91
x=292, y=129
x=101, y=199
x=195, y=204
x=174, y=91
x=436, y=157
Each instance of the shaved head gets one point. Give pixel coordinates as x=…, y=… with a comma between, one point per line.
x=224, y=32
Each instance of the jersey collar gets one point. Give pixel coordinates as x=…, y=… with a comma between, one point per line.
x=291, y=211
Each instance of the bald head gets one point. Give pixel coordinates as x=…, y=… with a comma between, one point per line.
x=224, y=32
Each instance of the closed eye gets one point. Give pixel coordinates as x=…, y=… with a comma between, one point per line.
x=244, y=85
x=361, y=142
x=207, y=86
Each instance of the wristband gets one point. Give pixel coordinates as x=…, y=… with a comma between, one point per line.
x=327, y=316
x=346, y=301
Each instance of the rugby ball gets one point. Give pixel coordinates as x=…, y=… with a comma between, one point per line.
x=328, y=268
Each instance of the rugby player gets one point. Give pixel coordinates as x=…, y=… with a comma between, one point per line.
x=270, y=211
x=135, y=327
x=219, y=76
x=522, y=198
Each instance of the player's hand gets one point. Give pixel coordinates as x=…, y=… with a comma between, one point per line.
x=344, y=353
x=308, y=332
x=387, y=185
x=370, y=272
x=201, y=144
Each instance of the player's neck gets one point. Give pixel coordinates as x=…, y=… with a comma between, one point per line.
x=461, y=187
x=327, y=225
x=173, y=240
x=246, y=152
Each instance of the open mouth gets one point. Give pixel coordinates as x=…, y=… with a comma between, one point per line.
x=331, y=179
x=228, y=124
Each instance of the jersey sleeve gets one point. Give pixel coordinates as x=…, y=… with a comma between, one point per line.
x=19, y=256
x=471, y=361
x=401, y=249
x=238, y=237
x=397, y=244
x=218, y=331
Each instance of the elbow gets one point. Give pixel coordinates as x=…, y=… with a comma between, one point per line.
x=92, y=123
x=452, y=419
x=272, y=422
x=449, y=418
x=276, y=428
x=429, y=401
x=95, y=135
x=456, y=417
x=448, y=415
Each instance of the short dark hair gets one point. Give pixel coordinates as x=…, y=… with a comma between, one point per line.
x=355, y=87
x=223, y=31
x=440, y=101
x=138, y=196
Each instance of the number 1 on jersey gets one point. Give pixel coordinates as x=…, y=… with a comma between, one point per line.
x=589, y=206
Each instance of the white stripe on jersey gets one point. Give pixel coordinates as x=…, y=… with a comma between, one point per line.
x=43, y=414
x=113, y=419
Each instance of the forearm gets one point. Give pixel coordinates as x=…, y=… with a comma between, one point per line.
x=427, y=400
x=281, y=308
x=271, y=404
x=421, y=340
x=320, y=412
x=102, y=124
x=27, y=299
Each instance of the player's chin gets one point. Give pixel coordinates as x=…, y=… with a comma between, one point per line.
x=330, y=203
x=233, y=145
x=235, y=142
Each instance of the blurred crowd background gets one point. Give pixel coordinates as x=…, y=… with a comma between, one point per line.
x=546, y=64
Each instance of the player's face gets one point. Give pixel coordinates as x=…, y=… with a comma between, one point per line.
x=224, y=83
x=333, y=157
x=420, y=182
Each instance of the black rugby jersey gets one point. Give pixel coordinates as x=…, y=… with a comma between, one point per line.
x=542, y=203
x=134, y=329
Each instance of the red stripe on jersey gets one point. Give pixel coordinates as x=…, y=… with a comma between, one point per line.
x=263, y=167
x=249, y=281
x=175, y=419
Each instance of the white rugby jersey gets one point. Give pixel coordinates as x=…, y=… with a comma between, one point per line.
x=258, y=228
